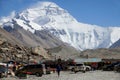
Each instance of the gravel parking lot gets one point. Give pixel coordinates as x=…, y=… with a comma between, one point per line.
x=92, y=75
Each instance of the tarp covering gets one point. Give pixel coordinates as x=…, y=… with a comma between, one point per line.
x=82, y=60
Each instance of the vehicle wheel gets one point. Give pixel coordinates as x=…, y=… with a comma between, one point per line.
x=87, y=69
x=38, y=74
x=83, y=71
x=75, y=71
x=72, y=69
x=22, y=75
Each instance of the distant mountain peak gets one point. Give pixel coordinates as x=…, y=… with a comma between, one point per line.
x=41, y=9
x=50, y=17
x=45, y=4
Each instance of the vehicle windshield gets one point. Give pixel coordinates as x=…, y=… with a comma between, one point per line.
x=79, y=64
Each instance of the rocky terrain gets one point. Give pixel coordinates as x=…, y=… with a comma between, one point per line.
x=64, y=51
x=12, y=49
x=102, y=53
x=16, y=52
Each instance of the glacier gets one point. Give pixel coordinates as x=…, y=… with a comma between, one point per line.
x=49, y=16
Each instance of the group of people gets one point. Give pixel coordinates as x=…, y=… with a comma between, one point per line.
x=12, y=68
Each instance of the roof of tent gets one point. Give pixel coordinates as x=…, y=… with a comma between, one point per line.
x=82, y=60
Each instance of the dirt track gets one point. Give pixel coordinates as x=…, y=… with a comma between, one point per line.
x=92, y=75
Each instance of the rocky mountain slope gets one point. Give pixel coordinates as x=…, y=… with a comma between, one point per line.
x=47, y=16
x=39, y=38
x=102, y=53
x=13, y=49
x=6, y=36
x=116, y=44
x=64, y=51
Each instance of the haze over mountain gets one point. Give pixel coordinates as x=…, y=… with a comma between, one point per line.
x=50, y=18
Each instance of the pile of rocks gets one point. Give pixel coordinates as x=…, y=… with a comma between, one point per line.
x=10, y=51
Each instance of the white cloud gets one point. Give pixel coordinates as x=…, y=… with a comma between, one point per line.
x=7, y=18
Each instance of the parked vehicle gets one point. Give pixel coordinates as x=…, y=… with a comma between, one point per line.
x=79, y=67
x=110, y=67
x=117, y=67
x=34, y=69
x=3, y=71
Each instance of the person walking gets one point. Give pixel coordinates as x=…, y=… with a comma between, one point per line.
x=58, y=69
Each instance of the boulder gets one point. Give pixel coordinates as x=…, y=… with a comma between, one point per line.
x=40, y=51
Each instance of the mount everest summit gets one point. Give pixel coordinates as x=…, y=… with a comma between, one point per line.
x=49, y=17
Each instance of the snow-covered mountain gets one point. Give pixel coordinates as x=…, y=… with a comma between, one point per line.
x=49, y=16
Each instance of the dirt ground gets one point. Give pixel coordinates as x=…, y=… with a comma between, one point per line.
x=92, y=75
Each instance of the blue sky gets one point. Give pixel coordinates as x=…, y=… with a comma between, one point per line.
x=98, y=12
